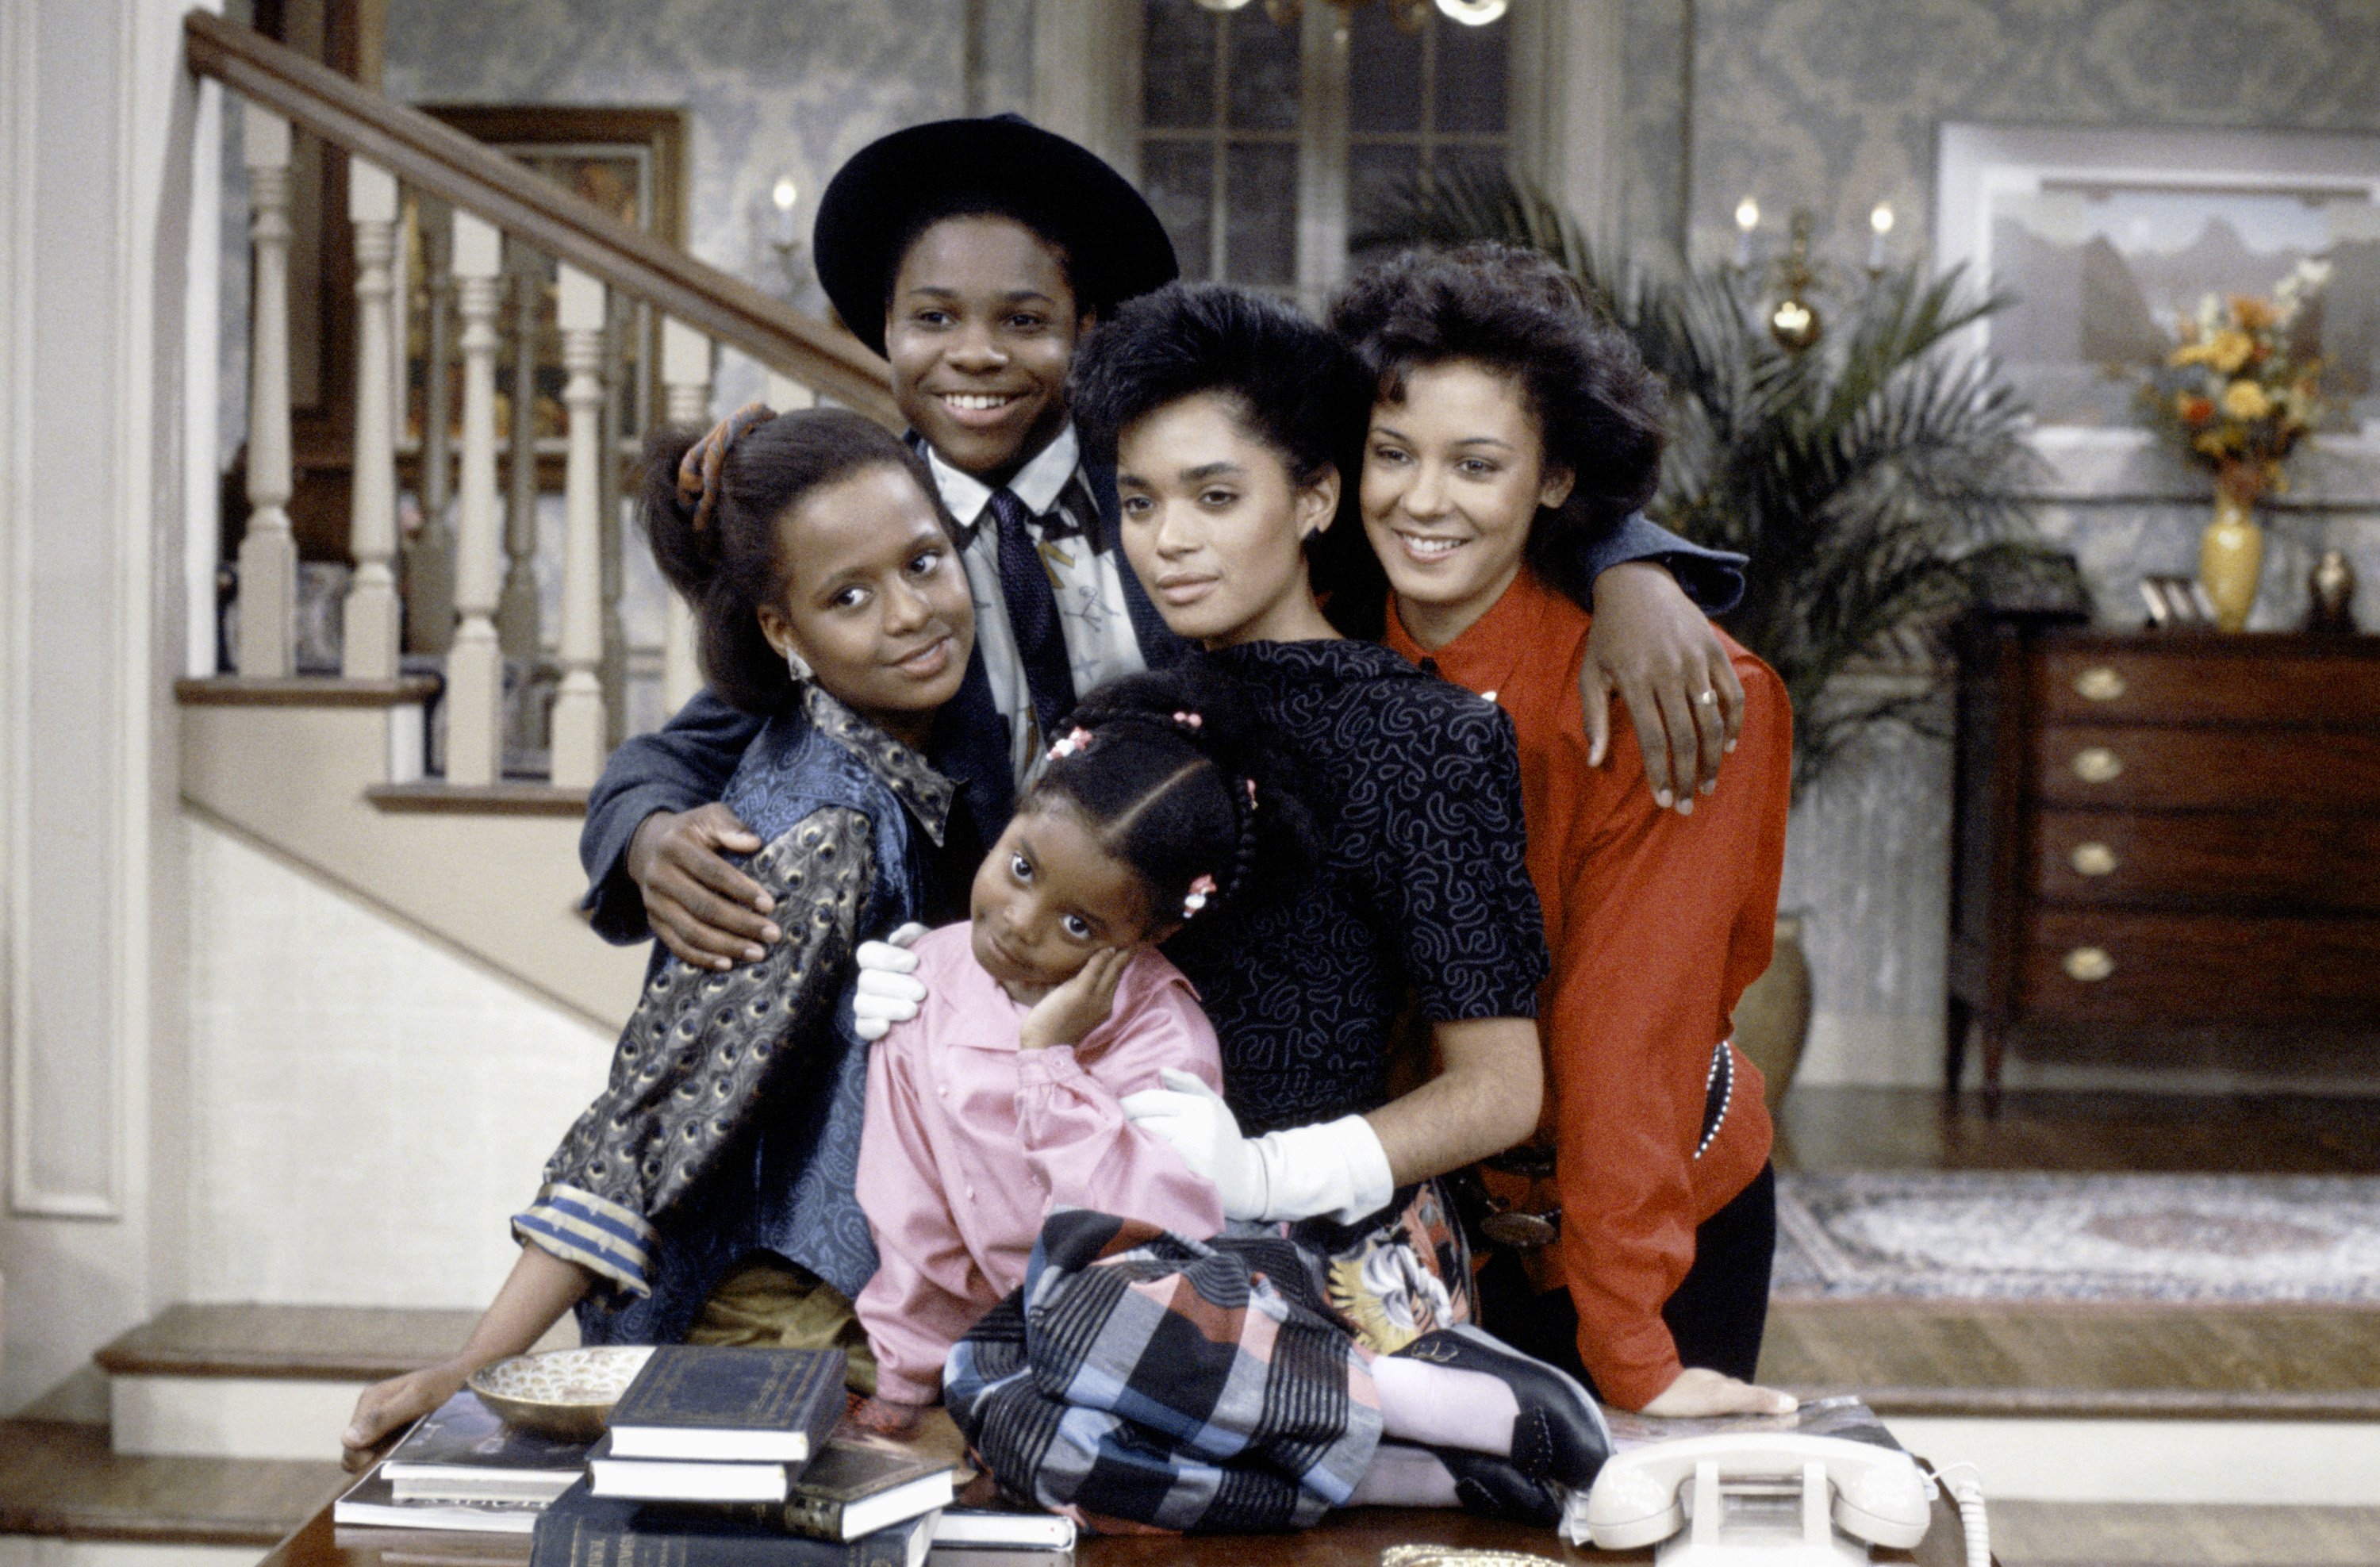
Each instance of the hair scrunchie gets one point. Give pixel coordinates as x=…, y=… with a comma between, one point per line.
x=697, y=473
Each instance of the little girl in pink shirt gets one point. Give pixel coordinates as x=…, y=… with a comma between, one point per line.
x=1166, y=803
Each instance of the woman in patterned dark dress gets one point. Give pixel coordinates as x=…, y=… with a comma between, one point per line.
x=1248, y=1383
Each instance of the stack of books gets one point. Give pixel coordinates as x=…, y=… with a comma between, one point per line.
x=461, y=1467
x=713, y=1458
x=725, y=1458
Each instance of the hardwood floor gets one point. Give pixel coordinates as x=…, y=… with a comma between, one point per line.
x=1948, y=1358
x=1852, y=1129
x=2065, y=1534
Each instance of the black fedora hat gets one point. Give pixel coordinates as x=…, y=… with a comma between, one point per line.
x=1003, y=164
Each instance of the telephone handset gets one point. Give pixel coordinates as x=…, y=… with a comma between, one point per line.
x=1762, y=1497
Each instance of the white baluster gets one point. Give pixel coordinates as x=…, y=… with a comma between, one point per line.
x=517, y=617
x=430, y=555
x=475, y=667
x=686, y=383
x=579, y=725
x=373, y=613
x=268, y=556
x=622, y=318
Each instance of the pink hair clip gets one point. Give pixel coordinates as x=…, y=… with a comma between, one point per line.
x=1076, y=740
x=1252, y=792
x=1200, y=891
x=1190, y=721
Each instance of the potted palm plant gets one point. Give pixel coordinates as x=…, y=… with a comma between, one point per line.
x=1868, y=470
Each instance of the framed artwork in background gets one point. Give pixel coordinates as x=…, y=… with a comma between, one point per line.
x=2105, y=241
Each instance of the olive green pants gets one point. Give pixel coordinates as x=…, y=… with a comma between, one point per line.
x=768, y=1301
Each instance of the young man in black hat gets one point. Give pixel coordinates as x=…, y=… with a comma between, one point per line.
x=974, y=254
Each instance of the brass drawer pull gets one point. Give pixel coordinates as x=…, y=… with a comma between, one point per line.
x=2098, y=764
x=2099, y=684
x=2093, y=860
x=2089, y=964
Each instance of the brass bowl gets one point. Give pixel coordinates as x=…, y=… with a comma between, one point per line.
x=562, y=1392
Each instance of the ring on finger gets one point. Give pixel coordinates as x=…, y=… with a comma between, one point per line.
x=1708, y=698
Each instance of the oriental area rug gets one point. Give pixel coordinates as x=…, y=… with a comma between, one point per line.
x=2233, y=1240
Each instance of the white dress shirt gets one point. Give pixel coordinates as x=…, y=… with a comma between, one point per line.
x=1087, y=582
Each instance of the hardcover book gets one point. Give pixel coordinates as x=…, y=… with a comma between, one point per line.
x=1002, y=1528
x=849, y=1489
x=372, y=1501
x=583, y=1530
x=462, y=1451
x=730, y=1405
x=684, y=1480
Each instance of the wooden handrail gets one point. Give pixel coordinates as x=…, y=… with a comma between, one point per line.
x=443, y=161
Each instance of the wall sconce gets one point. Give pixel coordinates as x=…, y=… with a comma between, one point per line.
x=1793, y=321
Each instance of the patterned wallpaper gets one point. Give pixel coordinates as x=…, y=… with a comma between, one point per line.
x=792, y=88
x=1834, y=104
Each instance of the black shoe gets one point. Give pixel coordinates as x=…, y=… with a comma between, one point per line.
x=1488, y=1487
x=1560, y=1434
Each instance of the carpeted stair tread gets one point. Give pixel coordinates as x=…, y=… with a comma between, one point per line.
x=316, y=1343
x=59, y=1479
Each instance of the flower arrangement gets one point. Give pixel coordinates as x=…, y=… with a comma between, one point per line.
x=2235, y=393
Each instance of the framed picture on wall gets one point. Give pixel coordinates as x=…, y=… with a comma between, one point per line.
x=2105, y=241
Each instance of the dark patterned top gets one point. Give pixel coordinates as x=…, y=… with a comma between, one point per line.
x=703, y=1049
x=1423, y=893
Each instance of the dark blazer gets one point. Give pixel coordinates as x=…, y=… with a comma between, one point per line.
x=688, y=761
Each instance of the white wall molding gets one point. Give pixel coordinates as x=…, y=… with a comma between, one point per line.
x=101, y=119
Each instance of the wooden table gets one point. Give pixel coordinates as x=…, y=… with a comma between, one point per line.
x=1353, y=1538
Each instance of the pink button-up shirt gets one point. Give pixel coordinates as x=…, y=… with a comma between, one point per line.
x=971, y=1141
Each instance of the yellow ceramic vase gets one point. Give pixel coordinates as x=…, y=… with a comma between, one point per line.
x=2231, y=560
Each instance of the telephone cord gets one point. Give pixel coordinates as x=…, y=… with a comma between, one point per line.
x=1964, y=1482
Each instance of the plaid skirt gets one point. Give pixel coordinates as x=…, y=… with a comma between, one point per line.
x=1142, y=1381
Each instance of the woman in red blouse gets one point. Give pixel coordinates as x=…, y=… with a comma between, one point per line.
x=1510, y=429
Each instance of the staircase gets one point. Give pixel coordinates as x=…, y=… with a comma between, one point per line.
x=367, y=848
x=223, y=1435
x=435, y=786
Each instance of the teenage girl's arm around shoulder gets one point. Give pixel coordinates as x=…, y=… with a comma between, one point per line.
x=540, y=1289
x=927, y=1291
x=1651, y=646
x=1083, y=1150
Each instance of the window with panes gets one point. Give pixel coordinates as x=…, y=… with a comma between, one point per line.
x=1268, y=151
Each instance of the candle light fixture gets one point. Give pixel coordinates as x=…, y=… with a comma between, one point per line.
x=1793, y=321
x=1410, y=15
x=1879, y=223
x=1747, y=219
x=784, y=238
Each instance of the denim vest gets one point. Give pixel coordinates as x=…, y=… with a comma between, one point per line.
x=787, y=1187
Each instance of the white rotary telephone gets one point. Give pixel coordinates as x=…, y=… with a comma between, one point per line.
x=1762, y=1500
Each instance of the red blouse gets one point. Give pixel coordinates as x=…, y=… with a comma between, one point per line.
x=1655, y=923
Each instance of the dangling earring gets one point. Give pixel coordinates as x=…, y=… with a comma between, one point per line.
x=798, y=665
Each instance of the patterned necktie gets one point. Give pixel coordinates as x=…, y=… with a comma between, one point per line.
x=1033, y=615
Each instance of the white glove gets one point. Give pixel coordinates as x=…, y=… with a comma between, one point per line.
x=1335, y=1168
x=1194, y=1118
x=887, y=990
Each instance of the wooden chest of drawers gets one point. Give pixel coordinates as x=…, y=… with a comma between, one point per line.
x=2162, y=831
